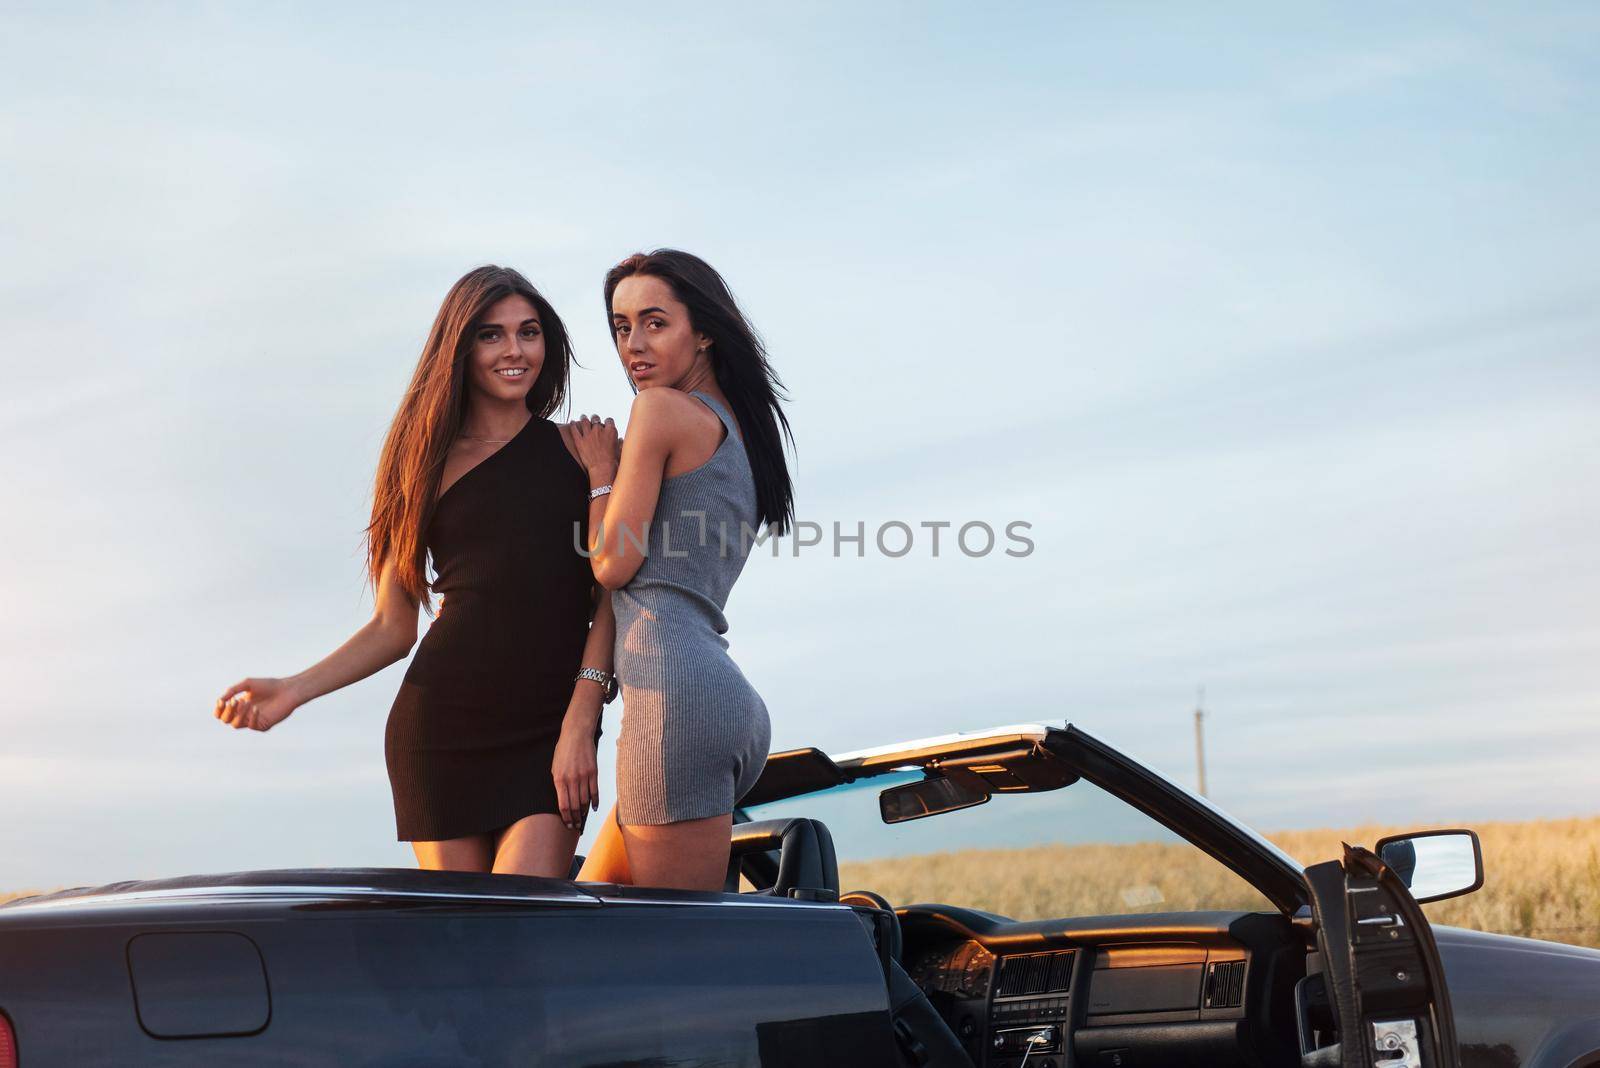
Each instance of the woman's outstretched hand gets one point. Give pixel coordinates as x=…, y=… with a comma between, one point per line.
x=259, y=704
x=598, y=446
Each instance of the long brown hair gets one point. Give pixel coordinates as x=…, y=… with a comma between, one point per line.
x=431, y=414
x=739, y=361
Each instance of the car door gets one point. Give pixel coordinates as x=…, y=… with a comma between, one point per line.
x=1381, y=976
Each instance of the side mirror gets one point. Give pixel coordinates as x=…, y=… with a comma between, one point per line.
x=1435, y=865
x=955, y=788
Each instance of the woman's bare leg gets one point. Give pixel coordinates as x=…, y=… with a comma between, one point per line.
x=689, y=855
x=607, y=861
x=536, y=845
x=472, y=853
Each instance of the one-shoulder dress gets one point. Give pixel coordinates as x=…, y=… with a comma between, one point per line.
x=473, y=730
x=694, y=731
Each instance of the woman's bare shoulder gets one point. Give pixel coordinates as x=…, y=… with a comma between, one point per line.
x=664, y=414
x=565, y=430
x=662, y=401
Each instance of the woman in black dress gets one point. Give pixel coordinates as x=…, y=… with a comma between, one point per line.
x=491, y=739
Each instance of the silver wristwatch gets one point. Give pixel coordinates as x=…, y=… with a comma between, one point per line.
x=606, y=679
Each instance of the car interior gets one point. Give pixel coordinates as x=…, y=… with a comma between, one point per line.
x=974, y=989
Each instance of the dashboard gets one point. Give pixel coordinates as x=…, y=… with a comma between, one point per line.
x=1213, y=988
x=964, y=971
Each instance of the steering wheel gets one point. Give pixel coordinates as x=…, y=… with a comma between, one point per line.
x=923, y=1036
x=869, y=900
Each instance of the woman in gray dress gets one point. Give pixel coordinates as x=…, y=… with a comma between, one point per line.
x=673, y=518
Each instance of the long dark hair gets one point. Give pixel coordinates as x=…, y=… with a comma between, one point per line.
x=430, y=416
x=739, y=361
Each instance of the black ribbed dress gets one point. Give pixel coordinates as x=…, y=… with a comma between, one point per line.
x=473, y=730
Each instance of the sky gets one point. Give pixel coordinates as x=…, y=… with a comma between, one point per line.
x=1277, y=326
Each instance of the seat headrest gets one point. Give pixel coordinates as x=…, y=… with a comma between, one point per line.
x=805, y=854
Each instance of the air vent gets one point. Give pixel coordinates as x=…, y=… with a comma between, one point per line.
x=1015, y=973
x=1060, y=974
x=1035, y=973
x=1225, y=984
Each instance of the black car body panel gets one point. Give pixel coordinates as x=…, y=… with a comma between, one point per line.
x=387, y=967
x=1522, y=1002
x=402, y=967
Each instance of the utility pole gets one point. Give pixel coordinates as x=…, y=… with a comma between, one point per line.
x=1200, y=738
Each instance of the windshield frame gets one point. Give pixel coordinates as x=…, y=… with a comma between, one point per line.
x=1196, y=820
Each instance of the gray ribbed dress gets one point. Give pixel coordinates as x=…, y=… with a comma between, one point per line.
x=694, y=732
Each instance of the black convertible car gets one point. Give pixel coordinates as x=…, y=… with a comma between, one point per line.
x=1078, y=909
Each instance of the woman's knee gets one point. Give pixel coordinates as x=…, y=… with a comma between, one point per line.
x=539, y=844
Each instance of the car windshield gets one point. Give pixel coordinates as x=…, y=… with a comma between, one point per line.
x=1072, y=851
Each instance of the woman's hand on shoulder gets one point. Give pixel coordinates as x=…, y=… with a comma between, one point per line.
x=596, y=445
x=257, y=704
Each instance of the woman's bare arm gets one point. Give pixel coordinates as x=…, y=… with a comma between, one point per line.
x=262, y=703
x=575, y=770
x=619, y=523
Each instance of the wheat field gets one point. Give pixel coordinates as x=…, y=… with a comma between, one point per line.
x=1542, y=878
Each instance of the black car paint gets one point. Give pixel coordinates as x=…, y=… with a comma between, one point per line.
x=1522, y=1002
x=608, y=977
x=430, y=968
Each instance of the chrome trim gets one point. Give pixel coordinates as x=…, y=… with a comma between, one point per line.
x=1392, y=1037
x=287, y=891
x=920, y=747
x=248, y=893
